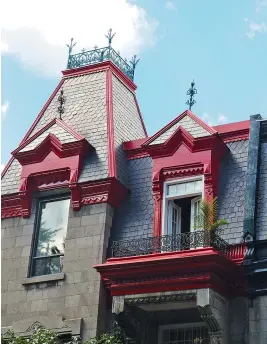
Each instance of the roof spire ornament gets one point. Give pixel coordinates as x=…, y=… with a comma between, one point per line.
x=110, y=37
x=61, y=99
x=134, y=62
x=191, y=92
x=70, y=46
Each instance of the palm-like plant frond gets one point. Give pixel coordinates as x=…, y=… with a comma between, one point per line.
x=207, y=218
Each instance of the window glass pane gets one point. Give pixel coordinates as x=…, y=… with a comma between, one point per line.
x=172, y=189
x=190, y=187
x=47, y=265
x=181, y=189
x=198, y=185
x=52, y=228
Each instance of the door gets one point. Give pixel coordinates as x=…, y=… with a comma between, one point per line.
x=174, y=219
x=172, y=242
x=196, y=240
x=195, y=212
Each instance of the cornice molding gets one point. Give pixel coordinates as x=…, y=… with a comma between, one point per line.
x=183, y=270
x=109, y=191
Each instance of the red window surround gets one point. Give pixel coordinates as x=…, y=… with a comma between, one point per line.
x=181, y=156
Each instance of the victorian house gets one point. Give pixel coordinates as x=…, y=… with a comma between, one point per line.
x=99, y=221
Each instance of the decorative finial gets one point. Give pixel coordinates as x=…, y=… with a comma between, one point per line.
x=83, y=50
x=71, y=45
x=110, y=37
x=61, y=99
x=134, y=61
x=95, y=47
x=191, y=92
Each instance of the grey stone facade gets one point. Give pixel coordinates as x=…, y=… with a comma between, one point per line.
x=232, y=183
x=79, y=294
x=135, y=216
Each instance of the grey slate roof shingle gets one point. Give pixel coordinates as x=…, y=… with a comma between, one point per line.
x=135, y=216
x=232, y=183
x=261, y=220
x=85, y=112
x=55, y=129
x=127, y=124
x=188, y=124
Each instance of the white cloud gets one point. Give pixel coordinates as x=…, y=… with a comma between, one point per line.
x=255, y=28
x=37, y=32
x=2, y=167
x=212, y=120
x=4, y=110
x=260, y=5
x=222, y=118
x=169, y=5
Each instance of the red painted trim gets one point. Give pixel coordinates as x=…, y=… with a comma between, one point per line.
x=109, y=191
x=140, y=115
x=112, y=168
x=191, y=269
x=46, y=127
x=177, y=119
x=102, y=66
x=34, y=123
x=232, y=127
x=235, y=136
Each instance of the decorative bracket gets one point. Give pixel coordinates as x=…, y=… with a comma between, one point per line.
x=213, y=309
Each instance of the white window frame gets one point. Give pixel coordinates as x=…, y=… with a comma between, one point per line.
x=172, y=205
x=177, y=326
x=167, y=198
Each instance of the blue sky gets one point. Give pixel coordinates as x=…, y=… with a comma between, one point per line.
x=221, y=44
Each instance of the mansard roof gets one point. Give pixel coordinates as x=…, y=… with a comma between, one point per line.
x=96, y=96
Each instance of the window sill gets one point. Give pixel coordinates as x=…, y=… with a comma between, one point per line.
x=43, y=278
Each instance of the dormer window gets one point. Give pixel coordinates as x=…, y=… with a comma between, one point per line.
x=182, y=205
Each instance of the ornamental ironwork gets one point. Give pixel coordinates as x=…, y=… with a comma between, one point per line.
x=191, y=92
x=169, y=243
x=90, y=57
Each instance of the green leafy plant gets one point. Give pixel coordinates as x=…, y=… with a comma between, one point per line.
x=105, y=339
x=43, y=336
x=207, y=218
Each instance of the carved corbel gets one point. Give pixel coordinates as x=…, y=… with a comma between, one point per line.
x=213, y=309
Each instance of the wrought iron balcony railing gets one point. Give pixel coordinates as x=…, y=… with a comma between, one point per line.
x=169, y=243
x=86, y=58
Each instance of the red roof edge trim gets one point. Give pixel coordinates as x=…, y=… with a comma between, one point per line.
x=47, y=126
x=176, y=120
x=112, y=167
x=201, y=123
x=102, y=66
x=34, y=123
x=140, y=115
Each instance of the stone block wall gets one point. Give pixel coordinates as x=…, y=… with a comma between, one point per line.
x=79, y=294
x=258, y=321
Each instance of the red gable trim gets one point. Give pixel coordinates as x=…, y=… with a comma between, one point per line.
x=140, y=115
x=102, y=66
x=176, y=120
x=227, y=132
x=112, y=168
x=34, y=124
x=47, y=126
